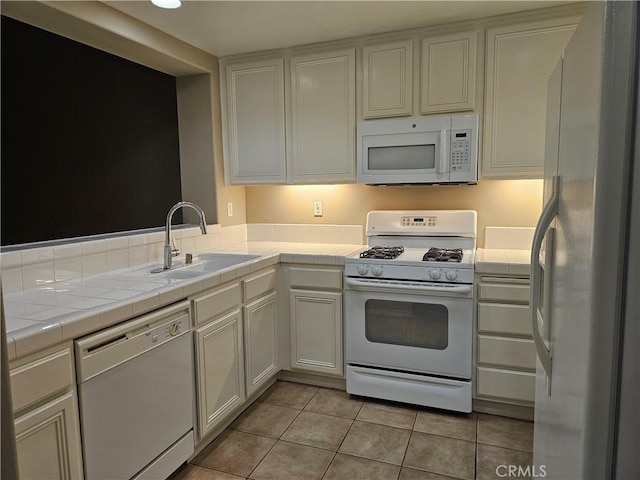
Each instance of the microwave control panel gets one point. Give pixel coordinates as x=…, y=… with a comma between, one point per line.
x=460, y=145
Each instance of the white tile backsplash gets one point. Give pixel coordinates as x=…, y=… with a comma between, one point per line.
x=305, y=233
x=298, y=233
x=117, y=259
x=11, y=259
x=352, y=234
x=67, y=268
x=519, y=238
x=333, y=233
x=67, y=251
x=12, y=279
x=93, y=247
x=37, y=267
x=36, y=255
x=281, y=233
x=37, y=275
x=94, y=264
x=513, y=238
x=494, y=237
x=315, y=234
x=117, y=243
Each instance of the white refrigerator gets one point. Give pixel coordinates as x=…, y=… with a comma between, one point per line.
x=585, y=264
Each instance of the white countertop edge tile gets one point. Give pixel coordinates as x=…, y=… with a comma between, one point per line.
x=37, y=339
x=11, y=348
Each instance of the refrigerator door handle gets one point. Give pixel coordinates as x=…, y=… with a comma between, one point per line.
x=540, y=301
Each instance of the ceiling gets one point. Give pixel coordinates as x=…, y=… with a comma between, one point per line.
x=231, y=27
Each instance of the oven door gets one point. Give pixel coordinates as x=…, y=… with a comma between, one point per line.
x=420, y=330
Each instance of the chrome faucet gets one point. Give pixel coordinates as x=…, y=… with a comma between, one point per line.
x=169, y=253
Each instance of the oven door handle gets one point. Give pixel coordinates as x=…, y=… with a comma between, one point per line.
x=426, y=288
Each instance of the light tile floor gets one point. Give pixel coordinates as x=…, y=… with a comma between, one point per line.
x=300, y=432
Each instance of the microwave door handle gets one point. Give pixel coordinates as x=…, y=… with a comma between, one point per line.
x=442, y=161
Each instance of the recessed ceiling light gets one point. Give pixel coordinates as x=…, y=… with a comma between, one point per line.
x=167, y=3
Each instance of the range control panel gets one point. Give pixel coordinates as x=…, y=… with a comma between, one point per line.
x=419, y=221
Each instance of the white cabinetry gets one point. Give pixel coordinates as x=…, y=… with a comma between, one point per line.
x=448, y=76
x=260, y=329
x=254, y=120
x=315, y=308
x=236, y=345
x=387, y=79
x=47, y=424
x=506, y=354
x=323, y=117
x=519, y=62
x=219, y=355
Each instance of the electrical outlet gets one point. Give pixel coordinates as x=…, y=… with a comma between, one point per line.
x=317, y=208
x=229, y=209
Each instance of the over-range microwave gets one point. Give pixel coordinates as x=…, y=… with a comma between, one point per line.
x=418, y=150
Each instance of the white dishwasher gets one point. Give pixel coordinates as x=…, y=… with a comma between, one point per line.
x=135, y=383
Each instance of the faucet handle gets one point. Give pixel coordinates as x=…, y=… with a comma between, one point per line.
x=175, y=251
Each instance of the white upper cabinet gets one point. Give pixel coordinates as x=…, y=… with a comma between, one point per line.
x=448, y=74
x=520, y=60
x=387, y=79
x=323, y=105
x=254, y=121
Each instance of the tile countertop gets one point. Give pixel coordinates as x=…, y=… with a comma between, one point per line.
x=45, y=316
x=502, y=261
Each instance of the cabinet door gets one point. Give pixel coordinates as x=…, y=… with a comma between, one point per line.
x=48, y=441
x=387, y=79
x=316, y=331
x=323, y=117
x=520, y=60
x=448, y=77
x=255, y=146
x=260, y=333
x=220, y=370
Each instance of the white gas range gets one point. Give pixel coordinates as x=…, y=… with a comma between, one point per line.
x=409, y=308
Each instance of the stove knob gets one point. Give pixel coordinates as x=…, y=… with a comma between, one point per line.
x=434, y=274
x=377, y=270
x=451, y=275
x=363, y=269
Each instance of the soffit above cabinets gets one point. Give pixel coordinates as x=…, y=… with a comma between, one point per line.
x=225, y=28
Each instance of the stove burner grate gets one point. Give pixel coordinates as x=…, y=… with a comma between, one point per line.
x=443, y=255
x=382, y=253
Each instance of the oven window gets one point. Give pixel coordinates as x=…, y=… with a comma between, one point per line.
x=421, y=325
x=404, y=157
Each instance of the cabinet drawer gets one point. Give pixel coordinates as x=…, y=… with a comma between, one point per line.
x=41, y=378
x=316, y=278
x=504, y=318
x=505, y=384
x=507, y=352
x=217, y=302
x=259, y=284
x=504, y=292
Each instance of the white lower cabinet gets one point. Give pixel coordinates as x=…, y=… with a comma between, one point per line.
x=260, y=334
x=47, y=424
x=315, y=319
x=48, y=441
x=506, y=354
x=316, y=331
x=219, y=370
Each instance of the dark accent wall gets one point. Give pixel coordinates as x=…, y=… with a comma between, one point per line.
x=89, y=140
